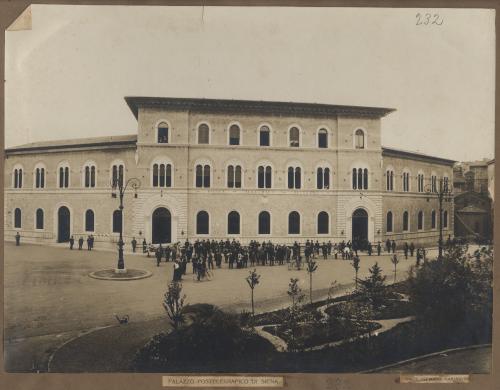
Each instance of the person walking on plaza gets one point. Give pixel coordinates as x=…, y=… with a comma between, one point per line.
x=369, y=248
x=388, y=246
x=88, y=243
x=71, y=242
x=91, y=241
x=144, y=245
x=418, y=257
x=412, y=248
x=134, y=244
x=18, y=239
x=80, y=243
x=393, y=245
x=379, y=249
x=406, y=248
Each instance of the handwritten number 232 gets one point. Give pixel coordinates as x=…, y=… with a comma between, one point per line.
x=426, y=19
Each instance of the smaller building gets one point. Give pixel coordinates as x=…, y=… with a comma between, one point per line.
x=473, y=186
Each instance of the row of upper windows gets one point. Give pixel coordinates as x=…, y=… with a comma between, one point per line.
x=88, y=224
x=162, y=176
x=265, y=136
x=89, y=176
x=420, y=221
x=433, y=184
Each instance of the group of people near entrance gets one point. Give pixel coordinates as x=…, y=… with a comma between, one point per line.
x=90, y=242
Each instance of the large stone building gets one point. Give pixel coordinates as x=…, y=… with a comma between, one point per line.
x=228, y=168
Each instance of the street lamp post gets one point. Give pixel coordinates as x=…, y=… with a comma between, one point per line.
x=118, y=185
x=444, y=194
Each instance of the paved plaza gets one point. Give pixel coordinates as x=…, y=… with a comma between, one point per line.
x=50, y=299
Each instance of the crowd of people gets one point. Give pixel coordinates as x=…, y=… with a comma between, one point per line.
x=207, y=255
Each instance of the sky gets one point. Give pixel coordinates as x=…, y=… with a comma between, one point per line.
x=68, y=75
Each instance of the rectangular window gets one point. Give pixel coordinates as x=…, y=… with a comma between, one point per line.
x=163, y=135
x=322, y=140
x=264, y=138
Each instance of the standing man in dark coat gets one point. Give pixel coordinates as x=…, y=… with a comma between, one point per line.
x=144, y=245
x=406, y=248
x=134, y=244
x=388, y=246
x=412, y=248
x=369, y=248
x=158, y=256
x=379, y=249
x=71, y=242
x=393, y=245
x=18, y=238
x=80, y=243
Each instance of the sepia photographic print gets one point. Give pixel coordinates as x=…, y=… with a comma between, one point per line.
x=248, y=190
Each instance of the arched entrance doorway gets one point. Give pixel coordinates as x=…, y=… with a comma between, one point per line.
x=63, y=224
x=360, y=228
x=162, y=226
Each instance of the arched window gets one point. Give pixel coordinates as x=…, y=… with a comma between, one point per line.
x=89, y=221
x=202, y=222
x=234, y=135
x=63, y=177
x=323, y=225
x=420, y=220
x=359, y=179
x=359, y=139
x=89, y=176
x=117, y=175
x=18, y=178
x=445, y=219
x=17, y=218
x=39, y=219
x=264, y=176
x=405, y=221
x=294, y=177
x=389, y=180
x=264, y=222
x=233, y=223
x=420, y=182
x=162, y=175
x=40, y=177
x=323, y=138
x=388, y=225
x=406, y=181
x=202, y=176
x=117, y=221
x=294, y=223
x=203, y=134
x=234, y=176
x=264, y=136
x=433, y=219
x=294, y=135
x=323, y=178
x=163, y=133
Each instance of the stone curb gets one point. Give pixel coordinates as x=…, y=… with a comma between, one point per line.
x=423, y=357
x=146, y=274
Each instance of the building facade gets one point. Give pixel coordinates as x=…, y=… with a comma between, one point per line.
x=229, y=169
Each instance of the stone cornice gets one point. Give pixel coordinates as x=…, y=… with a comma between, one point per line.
x=253, y=107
